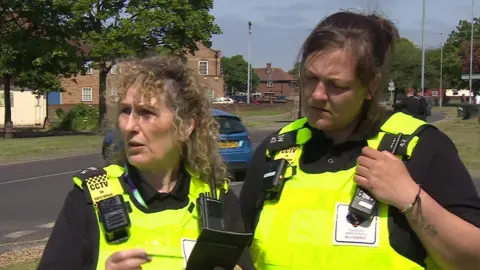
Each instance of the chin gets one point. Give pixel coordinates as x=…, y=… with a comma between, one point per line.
x=320, y=123
x=139, y=160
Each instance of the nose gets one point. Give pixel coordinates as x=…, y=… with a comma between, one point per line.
x=320, y=91
x=131, y=124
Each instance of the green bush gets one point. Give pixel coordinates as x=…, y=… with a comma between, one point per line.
x=81, y=118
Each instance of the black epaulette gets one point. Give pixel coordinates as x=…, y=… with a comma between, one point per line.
x=389, y=140
x=282, y=141
x=90, y=175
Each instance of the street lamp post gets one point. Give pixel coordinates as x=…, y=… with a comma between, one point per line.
x=441, y=70
x=249, y=65
x=471, y=57
x=423, y=49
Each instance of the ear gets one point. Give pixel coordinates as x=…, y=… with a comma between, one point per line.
x=188, y=128
x=373, y=87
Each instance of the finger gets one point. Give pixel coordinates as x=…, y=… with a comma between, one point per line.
x=126, y=254
x=365, y=161
x=132, y=263
x=371, y=153
x=361, y=181
x=390, y=155
x=362, y=171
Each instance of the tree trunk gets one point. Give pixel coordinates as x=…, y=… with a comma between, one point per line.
x=8, y=125
x=102, y=104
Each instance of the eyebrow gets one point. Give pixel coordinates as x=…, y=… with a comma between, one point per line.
x=329, y=78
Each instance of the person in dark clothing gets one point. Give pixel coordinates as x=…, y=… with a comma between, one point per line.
x=414, y=105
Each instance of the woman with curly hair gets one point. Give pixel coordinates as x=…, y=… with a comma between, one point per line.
x=141, y=212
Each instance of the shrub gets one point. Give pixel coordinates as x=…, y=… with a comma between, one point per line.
x=80, y=118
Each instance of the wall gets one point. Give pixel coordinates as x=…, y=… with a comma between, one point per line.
x=280, y=89
x=27, y=110
x=214, y=79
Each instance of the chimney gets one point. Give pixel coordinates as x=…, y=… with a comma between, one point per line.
x=268, y=69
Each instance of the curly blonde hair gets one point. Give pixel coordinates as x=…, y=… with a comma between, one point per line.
x=169, y=77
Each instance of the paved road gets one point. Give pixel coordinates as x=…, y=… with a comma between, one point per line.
x=32, y=194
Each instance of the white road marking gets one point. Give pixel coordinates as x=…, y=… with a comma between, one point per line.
x=45, y=159
x=46, y=225
x=37, y=177
x=24, y=242
x=18, y=234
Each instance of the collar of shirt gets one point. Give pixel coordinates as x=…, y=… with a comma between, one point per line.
x=149, y=194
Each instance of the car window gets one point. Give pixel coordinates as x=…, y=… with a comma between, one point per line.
x=230, y=125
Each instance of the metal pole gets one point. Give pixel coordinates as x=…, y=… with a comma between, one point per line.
x=471, y=58
x=249, y=68
x=423, y=49
x=441, y=70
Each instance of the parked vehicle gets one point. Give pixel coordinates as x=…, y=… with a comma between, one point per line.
x=223, y=100
x=235, y=144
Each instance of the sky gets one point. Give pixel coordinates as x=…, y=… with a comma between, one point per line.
x=280, y=26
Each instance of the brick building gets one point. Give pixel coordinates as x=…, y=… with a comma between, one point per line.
x=208, y=63
x=84, y=88
x=276, y=81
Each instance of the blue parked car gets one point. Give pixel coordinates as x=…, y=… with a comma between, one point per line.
x=235, y=145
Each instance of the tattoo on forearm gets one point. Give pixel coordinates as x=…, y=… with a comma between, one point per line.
x=420, y=220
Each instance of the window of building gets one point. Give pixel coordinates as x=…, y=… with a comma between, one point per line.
x=114, y=69
x=87, y=94
x=203, y=67
x=88, y=67
x=269, y=84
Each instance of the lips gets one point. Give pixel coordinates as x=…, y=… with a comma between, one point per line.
x=134, y=144
x=319, y=109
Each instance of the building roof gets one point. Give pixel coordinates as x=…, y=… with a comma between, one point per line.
x=275, y=74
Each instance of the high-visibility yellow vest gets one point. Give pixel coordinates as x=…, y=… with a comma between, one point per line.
x=161, y=234
x=305, y=228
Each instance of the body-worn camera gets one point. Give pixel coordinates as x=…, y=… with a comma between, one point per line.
x=114, y=216
x=273, y=178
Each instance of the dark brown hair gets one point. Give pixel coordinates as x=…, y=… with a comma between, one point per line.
x=370, y=38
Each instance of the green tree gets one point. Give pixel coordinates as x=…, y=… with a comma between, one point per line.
x=406, y=65
x=295, y=71
x=35, y=47
x=457, y=54
x=235, y=72
x=119, y=28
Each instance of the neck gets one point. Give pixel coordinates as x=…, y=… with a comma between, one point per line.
x=340, y=136
x=161, y=180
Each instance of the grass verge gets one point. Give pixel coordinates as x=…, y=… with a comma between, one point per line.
x=13, y=150
x=21, y=266
x=22, y=259
x=466, y=136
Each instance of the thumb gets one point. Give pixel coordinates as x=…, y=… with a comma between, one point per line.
x=127, y=254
